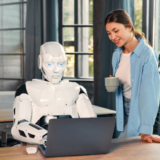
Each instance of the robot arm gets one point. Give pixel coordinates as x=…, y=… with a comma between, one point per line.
x=23, y=129
x=84, y=106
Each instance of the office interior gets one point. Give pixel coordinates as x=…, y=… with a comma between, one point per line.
x=79, y=26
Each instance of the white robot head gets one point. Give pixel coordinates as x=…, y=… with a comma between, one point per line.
x=52, y=61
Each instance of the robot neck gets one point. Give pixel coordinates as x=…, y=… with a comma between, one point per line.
x=55, y=83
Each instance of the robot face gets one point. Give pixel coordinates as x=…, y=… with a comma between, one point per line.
x=53, y=68
x=54, y=62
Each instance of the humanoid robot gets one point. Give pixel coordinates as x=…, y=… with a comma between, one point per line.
x=38, y=101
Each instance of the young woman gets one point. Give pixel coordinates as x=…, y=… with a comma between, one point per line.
x=135, y=63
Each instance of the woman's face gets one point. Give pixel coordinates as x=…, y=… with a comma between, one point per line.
x=118, y=33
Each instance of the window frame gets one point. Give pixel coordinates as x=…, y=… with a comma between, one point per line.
x=22, y=30
x=61, y=26
x=148, y=20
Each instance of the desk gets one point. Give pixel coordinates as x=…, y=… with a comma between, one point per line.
x=103, y=111
x=6, y=115
x=121, y=149
x=6, y=118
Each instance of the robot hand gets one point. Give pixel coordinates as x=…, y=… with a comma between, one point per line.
x=44, y=139
x=29, y=133
x=23, y=129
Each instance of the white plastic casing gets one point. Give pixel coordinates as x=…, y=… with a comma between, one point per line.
x=46, y=99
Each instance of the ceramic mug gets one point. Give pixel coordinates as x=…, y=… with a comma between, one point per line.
x=111, y=83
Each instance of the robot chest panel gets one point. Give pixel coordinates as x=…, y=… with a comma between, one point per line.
x=59, y=96
x=59, y=102
x=66, y=97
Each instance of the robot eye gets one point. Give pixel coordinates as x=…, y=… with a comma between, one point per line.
x=49, y=64
x=61, y=64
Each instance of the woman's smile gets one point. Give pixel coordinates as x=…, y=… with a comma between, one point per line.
x=116, y=41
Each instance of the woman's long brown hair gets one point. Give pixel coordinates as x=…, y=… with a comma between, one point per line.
x=121, y=16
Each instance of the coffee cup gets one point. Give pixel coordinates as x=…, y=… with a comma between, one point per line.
x=111, y=83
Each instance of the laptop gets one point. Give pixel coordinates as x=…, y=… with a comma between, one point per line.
x=79, y=136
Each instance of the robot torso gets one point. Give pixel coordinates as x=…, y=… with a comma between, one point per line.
x=52, y=100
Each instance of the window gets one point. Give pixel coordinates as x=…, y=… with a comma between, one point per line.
x=76, y=35
x=12, y=46
x=157, y=49
x=145, y=18
x=157, y=27
x=138, y=15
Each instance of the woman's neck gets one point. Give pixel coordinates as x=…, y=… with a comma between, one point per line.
x=130, y=45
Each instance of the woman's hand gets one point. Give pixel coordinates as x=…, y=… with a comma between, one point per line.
x=150, y=138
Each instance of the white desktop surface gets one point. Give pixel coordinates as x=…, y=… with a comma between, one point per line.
x=102, y=111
